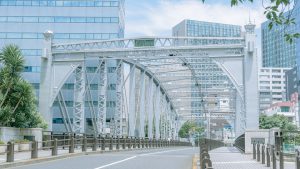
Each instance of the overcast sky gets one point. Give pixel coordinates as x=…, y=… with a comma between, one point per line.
x=157, y=17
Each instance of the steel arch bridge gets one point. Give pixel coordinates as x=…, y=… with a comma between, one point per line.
x=154, y=82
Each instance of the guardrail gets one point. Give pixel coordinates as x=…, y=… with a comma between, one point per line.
x=240, y=142
x=205, y=146
x=81, y=143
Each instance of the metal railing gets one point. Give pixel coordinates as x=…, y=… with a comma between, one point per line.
x=81, y=143
x=205, y=146
x=240, y=142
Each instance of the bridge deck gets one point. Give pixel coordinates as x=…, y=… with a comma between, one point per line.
x=231, y=158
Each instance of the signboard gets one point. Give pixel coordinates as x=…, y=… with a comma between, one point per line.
x=258, y=140
x=143, y=42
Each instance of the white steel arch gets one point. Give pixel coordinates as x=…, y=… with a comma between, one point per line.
x=165, y=61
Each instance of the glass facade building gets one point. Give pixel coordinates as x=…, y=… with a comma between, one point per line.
x=214, y=83
x=22, y=22
x=276, y=51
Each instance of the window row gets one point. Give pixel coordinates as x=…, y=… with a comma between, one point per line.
x=58, y=19
x=95, y=36
x=60, y=3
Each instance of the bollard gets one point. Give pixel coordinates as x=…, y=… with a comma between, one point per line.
x=124, y=143
x=54, y=147
x=258, y=152
x=71, y=147
x=139, y=142
x=263, y=154
x=150, y=143
x=103, y=143
x=297, y=160
x=94, y=146
x=84, y=144
x=281, y=160
x=129, y=142
x=254, y=151
x=34, y=149
x=268, y=156
x=273, y=157
x=134, y=142
x=206, y=164
x=10, y=155
x=111, y=143
x=118, y=143
x=143, y=145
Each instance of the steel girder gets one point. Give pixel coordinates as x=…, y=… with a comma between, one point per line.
x=161, y=53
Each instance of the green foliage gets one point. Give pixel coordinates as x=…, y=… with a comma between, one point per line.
x=188, y=128
x=279, y=121
x=275, y=13
x=17, y=98
x=20, y=141
x=2, y=142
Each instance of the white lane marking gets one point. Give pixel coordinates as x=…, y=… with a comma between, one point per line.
x=107, y=165
x=126, y=159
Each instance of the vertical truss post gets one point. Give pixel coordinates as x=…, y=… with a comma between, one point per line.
x=157, y=113
x=169, y=121
x=78, y=125
x=102, y=86
x=119, y=102
x=150, y=104
x=142, y=105
x=131, y=113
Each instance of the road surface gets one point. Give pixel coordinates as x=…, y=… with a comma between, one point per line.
x=176, y=158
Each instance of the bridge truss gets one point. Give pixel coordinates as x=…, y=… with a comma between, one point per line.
x=144, y=85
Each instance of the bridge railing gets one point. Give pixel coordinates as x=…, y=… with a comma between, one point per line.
x=240, y=143
x=205, y=146
x=67, y=143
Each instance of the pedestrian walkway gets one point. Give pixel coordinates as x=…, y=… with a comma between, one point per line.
x=232, y=158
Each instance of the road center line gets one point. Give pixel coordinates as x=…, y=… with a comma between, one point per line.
x=126, y=159
x=117, y=162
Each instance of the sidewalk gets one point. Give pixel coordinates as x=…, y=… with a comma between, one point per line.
x=231, y=158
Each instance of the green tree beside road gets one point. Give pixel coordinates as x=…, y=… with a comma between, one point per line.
x=17, y=98
x=278, y=121
x=190, y=128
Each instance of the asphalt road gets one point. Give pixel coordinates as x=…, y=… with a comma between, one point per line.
x=178, y=158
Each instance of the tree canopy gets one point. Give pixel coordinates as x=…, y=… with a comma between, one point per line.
x=17, y=98
x=189, y=128
x=279, y=121
x=278, y=12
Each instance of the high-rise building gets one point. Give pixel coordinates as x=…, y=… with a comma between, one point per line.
x=276, y=51
x=22, y=22
x=209, y=75
x=216, y=88
x=272, y=86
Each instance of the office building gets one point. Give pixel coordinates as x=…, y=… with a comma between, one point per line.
x=276, y=51
x=22, y=22
x=272, y=86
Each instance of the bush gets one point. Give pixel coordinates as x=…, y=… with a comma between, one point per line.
x=2, y=142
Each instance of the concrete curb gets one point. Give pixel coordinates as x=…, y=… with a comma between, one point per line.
x=64, y=156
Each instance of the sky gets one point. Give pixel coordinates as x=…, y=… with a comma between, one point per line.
x=157, y=17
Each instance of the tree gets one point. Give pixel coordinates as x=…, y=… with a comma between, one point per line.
x=279, y=121
x=17, y=98
x=188, y=128
x=278, y=12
